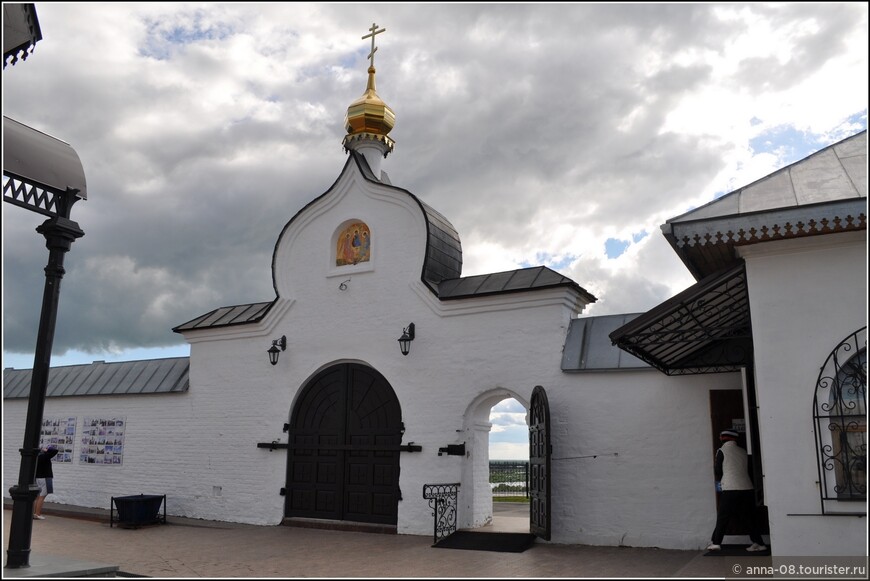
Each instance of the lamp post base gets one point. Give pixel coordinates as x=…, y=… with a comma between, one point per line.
x=18, y=554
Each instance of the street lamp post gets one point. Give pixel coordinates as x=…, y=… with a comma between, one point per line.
x=59, y=234
x=44, y=175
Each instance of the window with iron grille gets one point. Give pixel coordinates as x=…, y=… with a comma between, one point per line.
x=840, y=415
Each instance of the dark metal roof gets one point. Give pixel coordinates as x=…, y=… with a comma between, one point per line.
x=100, y=378
x=443, y=250
x=524, y=279
x=588, y=346
x=21, y=32
x=227, y=316
x=38, y=167
x=824, y=193
x=704, y=329
x=443, y=257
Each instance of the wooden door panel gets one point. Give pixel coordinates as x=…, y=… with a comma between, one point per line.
x=353, y=415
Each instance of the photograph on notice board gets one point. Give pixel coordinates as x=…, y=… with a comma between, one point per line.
x=58, y=433
x=102, y=441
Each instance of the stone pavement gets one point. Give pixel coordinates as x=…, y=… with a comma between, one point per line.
x=196, y=548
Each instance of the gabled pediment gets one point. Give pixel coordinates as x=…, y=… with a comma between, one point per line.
x=824, y=193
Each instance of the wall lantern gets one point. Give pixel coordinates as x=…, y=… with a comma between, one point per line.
x=273, y=350
x=406, y=338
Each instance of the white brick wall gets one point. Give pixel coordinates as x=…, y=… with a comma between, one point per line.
x=805, y=296
x=651, y=484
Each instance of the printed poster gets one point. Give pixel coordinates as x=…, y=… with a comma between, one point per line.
x=60, y=433
x=102, y=441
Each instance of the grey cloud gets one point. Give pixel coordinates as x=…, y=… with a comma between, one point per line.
x=509, y=117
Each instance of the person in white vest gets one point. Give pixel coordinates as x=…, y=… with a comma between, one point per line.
x=738, y=493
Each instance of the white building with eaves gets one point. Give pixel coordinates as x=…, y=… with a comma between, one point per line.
x=346, y=430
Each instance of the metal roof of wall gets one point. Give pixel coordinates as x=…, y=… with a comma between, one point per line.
x=524, y=279
x=226, y=316
x=588, y=346
x=100, y=378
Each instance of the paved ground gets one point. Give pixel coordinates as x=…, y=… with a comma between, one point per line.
x=195, y=548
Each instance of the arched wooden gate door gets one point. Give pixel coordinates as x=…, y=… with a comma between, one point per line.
x=343, y=460
x=539, y=464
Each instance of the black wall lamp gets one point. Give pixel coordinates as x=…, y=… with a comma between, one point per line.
x=406, y=338
x=273, y=350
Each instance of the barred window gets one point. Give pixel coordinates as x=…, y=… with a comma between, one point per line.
x=840, y=414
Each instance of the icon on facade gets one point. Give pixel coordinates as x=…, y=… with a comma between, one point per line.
x=353, y=245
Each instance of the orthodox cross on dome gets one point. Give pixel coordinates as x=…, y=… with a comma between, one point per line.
x=374, y=31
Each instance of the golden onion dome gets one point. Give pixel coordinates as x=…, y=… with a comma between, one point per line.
x=369, y=113
x=369, y=119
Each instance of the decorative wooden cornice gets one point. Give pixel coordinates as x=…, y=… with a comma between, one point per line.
x=21, y=32
x=770, y=228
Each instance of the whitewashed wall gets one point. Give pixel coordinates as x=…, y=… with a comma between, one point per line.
x=632, y=457
x=651, y=484
x=652, y=481
x=805, y=296
x=157, y=458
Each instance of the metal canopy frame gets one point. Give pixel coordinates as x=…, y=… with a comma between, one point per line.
x=40, y=173
x=704, y=329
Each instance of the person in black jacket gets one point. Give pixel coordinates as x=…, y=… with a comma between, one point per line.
x=44, y=479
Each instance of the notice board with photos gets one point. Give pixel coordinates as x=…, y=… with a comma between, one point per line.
x=102, y=441
x=60, y=433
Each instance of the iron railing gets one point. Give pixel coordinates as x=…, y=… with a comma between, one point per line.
x=444, y=502
x=509, y=478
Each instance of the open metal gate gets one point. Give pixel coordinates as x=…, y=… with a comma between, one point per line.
x=539, y=461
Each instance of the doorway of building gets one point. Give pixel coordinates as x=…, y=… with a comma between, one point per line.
x=344, y=436
x=503, y=409
x=536, y=518
x=727, y=413
x=509, y=471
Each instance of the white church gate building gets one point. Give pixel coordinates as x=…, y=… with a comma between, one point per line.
x=342, y=425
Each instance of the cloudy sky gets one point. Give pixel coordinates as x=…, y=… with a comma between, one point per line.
x=556, y=134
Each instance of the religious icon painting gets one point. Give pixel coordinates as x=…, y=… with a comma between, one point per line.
x=353, y=244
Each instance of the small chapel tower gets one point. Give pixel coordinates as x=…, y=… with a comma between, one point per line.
x=369, y=119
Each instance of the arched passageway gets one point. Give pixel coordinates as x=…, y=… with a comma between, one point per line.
x=495, y=496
